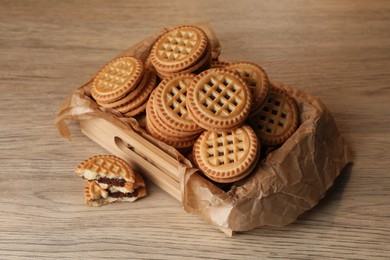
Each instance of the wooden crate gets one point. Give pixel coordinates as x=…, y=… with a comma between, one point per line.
x=154, y=163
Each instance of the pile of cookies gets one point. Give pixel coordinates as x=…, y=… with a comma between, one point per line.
x=167, y=117
x=223, y=113
x=124, y=84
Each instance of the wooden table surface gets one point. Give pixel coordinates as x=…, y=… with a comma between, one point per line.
x=338, y=51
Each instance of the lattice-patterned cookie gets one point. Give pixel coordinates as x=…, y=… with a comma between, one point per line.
x=109, y=172
x=105, y=166
x=117, y=78
x=218, y=99
x=227, y=156
x=170, y=102
x=179, y=49
x=204, y=63
x=277, y=120
x=109, y=178
x=131, y=95
x=256, y=79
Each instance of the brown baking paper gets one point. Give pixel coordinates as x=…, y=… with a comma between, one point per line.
x=288, y=182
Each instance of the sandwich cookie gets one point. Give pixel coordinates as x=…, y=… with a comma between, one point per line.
x=179, y=49
x=227, y=156
x=117, y=78
x=277, y=120
x=204, y=63
x=115, y=178
x=170, y=103
x=218, y=99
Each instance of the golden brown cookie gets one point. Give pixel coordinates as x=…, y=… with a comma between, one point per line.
x=179, y=49
x=277, y=120
x=130, y=96
x=109, y=178
x=170, y=102
x=218, y=99
x=105, y=166
x=256, y=79
x=117, y=78
x=227, y=156
x=203, y=64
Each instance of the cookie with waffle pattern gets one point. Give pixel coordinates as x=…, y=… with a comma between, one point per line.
x=278, y=118
x=227, y=156
x=204, y=63
x=179, y=49
x=117, y=78
x=131, y=94
x=218, y=99
x=111, y=173
x=170, y=102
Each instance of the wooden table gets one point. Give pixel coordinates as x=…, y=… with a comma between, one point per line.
x=338, y=51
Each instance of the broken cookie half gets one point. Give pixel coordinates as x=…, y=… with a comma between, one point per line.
x=110, y=179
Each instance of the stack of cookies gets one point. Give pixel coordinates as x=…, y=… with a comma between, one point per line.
x=167, y=117
x=124, y=84
x=185, y=49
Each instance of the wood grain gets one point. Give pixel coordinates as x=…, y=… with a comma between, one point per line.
x=336, y=50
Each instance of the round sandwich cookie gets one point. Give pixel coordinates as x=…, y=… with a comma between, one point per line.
x=170, y=102
x=110, y=178
x=278, y=118
x=179, y=49
x=227, y=156
x=203, y=64
x=218, y=99
x=131, y=94
x=117, y=78
x=256, y=79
